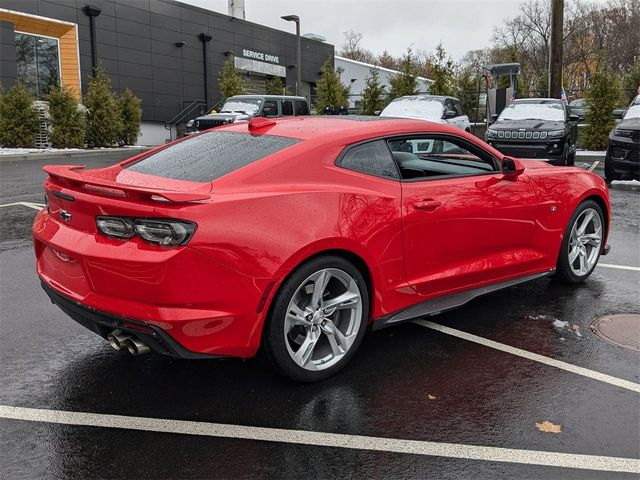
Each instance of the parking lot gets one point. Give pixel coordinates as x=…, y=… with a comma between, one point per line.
x=456, y=396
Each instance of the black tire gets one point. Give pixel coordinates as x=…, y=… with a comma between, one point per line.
x=564, y=272
x=609, y=176
x=566, y=157
x=274, y=339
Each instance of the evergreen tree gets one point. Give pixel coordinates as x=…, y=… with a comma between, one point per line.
x=275, y=86
x=603, y=96
x=632, y=81
x=467, y=87
x=404, y=83
x=104, y=124
x=67, y=118
x=330, y=91
x=442, y=73
x=373, y=95
x=131, y=116
x=230, y=81
x=19, y=120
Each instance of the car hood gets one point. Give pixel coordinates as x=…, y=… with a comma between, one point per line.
x=629, y=124
x=225, y=116
x=541, y=125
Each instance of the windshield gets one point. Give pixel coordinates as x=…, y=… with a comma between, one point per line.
x=414, y=107
x=246, y=106
x=633, y=112
x=553, y=112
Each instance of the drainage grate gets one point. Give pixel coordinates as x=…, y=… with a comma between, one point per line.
x=622, y=330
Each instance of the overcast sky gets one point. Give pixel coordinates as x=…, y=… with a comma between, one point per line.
x=393, y=25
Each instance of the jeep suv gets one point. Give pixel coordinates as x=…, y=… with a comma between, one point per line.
x=244, y=107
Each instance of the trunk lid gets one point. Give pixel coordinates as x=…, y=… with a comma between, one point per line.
x=76, y=196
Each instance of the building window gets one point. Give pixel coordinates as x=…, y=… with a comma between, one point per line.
x=37, y=63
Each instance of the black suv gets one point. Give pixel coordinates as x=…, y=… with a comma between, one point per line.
x=622, y=160
x=536, y=128
x=244, y=107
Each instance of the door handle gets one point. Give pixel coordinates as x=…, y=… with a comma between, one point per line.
x=427, y=204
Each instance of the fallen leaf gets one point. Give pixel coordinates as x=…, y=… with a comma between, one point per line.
x=431, y=397
x=575, y=328
x=547, y=426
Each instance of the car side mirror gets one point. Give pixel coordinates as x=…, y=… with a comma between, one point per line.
x=511, y=167
x=573, y=117
x=450, y=114
x=618, y=113
x=494, y=117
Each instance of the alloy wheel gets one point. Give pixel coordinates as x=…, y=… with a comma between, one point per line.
x=585, y=242
x=323, y=319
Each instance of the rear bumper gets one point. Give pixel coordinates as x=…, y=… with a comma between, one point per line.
x=200, y=304
x=102, y=324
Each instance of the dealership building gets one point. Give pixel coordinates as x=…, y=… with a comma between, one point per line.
x=355, y=74
x=168, y=53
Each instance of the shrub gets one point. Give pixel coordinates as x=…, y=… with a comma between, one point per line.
x=404, y=82
x=104, y=124
x=67, y=118
x=230, y=81
x=275, y=86
x=131, y=116
x=373, y=97
x=19, y=120
x=603, y=96
x=330, y=91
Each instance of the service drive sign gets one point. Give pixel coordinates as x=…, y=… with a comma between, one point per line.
x=263, y=57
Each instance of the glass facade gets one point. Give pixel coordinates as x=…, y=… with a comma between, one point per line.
x=37, y=63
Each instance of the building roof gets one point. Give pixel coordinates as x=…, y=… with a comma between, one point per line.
x=382, y=69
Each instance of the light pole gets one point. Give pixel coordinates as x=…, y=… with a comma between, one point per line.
x=295, y=18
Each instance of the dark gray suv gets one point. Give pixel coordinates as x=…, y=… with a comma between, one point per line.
x=244, y=107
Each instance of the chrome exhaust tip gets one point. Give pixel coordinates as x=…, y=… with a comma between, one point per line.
x=118, y=340
x=136, y=346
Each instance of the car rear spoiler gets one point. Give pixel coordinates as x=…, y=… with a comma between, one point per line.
x=68, y=175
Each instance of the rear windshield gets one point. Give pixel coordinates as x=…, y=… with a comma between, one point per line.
x=210, y=155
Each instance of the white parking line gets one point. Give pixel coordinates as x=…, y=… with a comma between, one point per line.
x=35, y=206
x=336, y=440
x=595, y=164
x=585, y=372
x=619, y=267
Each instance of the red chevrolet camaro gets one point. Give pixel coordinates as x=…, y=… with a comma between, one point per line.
x=296, y=235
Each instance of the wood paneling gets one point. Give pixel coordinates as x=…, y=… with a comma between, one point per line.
x=68, y=41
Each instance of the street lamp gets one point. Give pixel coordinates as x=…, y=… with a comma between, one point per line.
x=295, y=18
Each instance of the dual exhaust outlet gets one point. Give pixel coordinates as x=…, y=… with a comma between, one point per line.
x=121, y=341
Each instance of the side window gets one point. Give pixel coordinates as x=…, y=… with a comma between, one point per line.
x=302, y=108
x=433, y=156
x=270, y=108
x=371, y=158
x=287, y=108
x=458, y=106
x=449, y=106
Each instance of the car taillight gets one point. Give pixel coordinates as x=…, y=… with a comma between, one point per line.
x=163, y=232
x=115, y=227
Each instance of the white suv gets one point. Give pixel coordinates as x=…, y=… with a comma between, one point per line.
x=434, y=108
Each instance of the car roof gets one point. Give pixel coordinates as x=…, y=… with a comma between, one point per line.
x=341, y=128
x=537, y=100
x=268, y=97
x=427, y=97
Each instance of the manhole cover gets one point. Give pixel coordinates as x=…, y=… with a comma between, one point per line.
x=623, y=330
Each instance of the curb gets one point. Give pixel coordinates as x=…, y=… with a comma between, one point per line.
x=11, y=157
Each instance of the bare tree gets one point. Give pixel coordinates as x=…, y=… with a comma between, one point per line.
x=351, y=48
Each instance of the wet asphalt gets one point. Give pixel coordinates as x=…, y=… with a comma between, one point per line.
x=482, y=396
